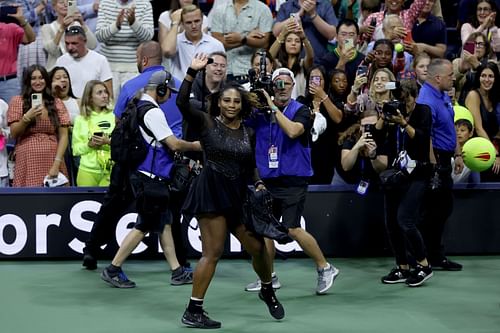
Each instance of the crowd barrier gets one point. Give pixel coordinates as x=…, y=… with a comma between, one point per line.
x=37, y=223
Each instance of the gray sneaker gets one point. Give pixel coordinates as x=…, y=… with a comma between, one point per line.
x=255, y=286
x=326, y=276
x=181, y=276
x=117, y=279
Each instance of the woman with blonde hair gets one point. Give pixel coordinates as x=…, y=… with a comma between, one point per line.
x=91, y=136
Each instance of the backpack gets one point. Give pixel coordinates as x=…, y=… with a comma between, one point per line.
x=128, y=146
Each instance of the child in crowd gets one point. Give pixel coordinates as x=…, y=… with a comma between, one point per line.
x=465, y=131
x=91, y=136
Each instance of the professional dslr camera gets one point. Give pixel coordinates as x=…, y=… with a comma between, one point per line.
x=391, y=108
x=262, y=81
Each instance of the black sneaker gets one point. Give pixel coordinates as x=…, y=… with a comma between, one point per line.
x=89, y=262
x=447, y=265
x=181, y=276
x=118, y=279
x=199, y=320
x=275, y=308
x=396, y=275
x=419, y=275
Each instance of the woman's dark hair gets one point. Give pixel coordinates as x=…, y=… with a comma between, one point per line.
x=334, y=72
x=174, y=5
x=354, y=131
x=48, y=99
x=268, y=56
x=283, y=56
x=493, y=93
x=326, y=80
x=473, y=18
x=60, y=68
x=247, y=100
x=487, y=46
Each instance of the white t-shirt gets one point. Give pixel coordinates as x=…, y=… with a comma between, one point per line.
x=73, y=108
x=93, y=66
x=156, y=122
x=166, y=21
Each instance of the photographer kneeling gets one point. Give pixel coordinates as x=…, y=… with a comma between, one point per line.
x=404, y=199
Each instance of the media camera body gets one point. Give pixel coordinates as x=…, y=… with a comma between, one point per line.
x=391, y=108
x=262, y=80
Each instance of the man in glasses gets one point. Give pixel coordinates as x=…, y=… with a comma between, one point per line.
x=82, y=63
x=283, y=158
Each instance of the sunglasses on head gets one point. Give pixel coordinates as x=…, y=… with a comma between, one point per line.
x=74, y=30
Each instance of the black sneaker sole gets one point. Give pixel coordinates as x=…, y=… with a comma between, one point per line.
x=277, y=313
x=192, y=324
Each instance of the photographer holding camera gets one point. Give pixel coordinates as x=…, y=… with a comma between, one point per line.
x=404, y=200
x=283, y=157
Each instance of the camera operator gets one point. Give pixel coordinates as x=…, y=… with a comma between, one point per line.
x=404, y=200
x=283, y=158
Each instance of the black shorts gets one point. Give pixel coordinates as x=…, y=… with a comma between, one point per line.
x=288, y=203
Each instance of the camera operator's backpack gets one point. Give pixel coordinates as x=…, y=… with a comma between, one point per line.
x=128, y=146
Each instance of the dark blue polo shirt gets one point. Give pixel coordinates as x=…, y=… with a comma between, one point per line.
x=324, y=9
x=443, y=127
x=432, y=31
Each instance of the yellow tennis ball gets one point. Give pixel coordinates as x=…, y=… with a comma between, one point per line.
x=463, y=113
x=399, y=47
x=479, y=154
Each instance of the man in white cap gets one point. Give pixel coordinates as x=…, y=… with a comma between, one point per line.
x=153, y=172
x=283, y=157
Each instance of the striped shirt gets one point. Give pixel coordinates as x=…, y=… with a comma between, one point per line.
x=120, y=45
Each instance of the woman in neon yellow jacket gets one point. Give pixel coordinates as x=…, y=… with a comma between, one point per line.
x=91, y=136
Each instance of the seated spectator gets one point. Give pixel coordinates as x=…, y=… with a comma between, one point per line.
x=316, y=17
x=91, y=136
x=419, y=65
x=12, y=36
x=241, y=33
x=485, y=21
x=483, y=101
x=61, y=88
x=83, y=64
x=181, y=47
x=465, y=131
x=4, y=137
x=53, y=34
x=287, y=49
x=428, y=34
x=465, y=67
x=345, y=58
x=121, y=27
x=40, y=127
x=323, y=147
x=395, y=7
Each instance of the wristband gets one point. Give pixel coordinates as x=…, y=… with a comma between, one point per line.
x=244, y=40
x=24, y=24
x=58, y=159
x=192, y=72
x=314, y=16
x=324, y=99
x=274, y=108
x=26, y=119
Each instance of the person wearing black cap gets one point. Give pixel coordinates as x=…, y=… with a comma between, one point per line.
x=283, y=157
x=154, y=171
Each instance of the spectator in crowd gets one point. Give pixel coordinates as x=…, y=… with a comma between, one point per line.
x=380, y=57
x=156, y=168
x=316, y=17
x=217, y=194
x=181, y=47
x=53, y=34
x=83, y=64
x=395, y=7
x=89, y=10
x=121, y=26
x=483, y=101
x=33, y=53
x=323, y=147
x=119, y=195
x=167, y=18
x=404, y=201
x=4, y=137
x=40, y=128
x=61, y=88
x=465, y=131
x=242, y=26
x=367, y=7
x=283, y=159
x=439, y=199
x=91, y=136
x=344, y=57
x=428, y=34
x=419, y=65
x=12, y=36
x=485, y=21
x=287, y=49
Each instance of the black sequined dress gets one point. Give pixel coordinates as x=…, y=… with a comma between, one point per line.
x=229, y=163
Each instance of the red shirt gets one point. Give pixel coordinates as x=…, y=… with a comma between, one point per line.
x=11, y=35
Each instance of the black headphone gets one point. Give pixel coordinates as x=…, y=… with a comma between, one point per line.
x=161, y=89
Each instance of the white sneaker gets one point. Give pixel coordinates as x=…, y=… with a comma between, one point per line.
x=255, y=286
x=326, y=277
